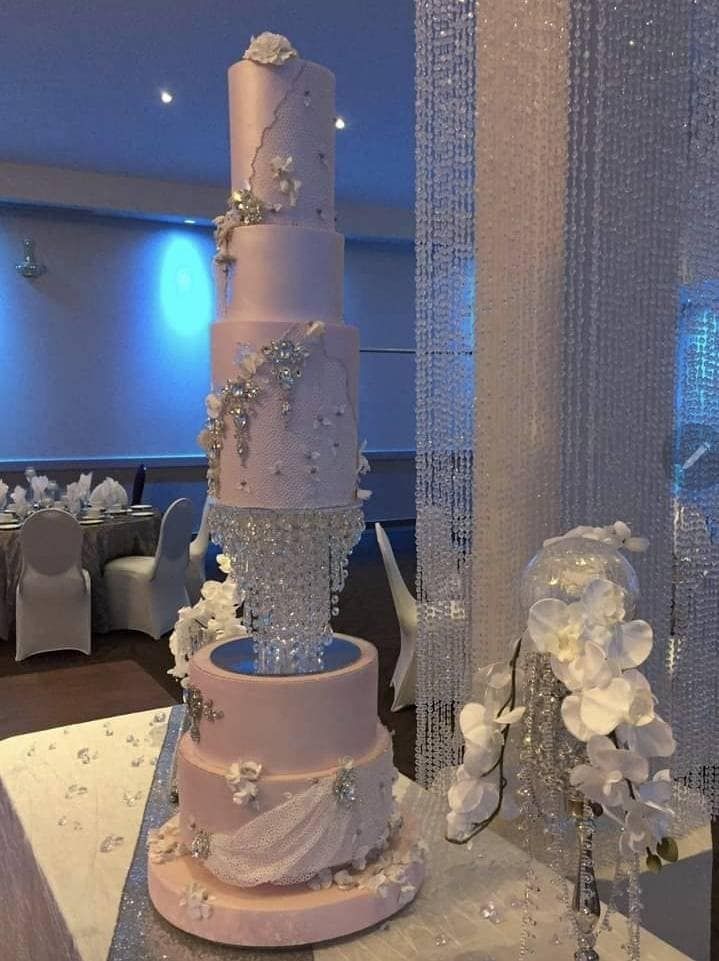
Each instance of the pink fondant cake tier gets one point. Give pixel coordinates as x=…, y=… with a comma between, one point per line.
x=286, y=274
x=276, y=916
x=285, y=111
x=290, y=725
x=307, y=457
x=206, y=797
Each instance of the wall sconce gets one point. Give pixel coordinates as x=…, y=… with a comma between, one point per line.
x=29, y=267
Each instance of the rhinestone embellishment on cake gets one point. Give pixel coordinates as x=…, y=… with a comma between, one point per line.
x=287, y=360
x=200, y=848
x=345, y=785
x=197, y=708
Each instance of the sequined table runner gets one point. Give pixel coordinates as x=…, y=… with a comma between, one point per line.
x=75, y=807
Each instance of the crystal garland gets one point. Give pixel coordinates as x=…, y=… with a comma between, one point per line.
x=693, y=656
x=445, y=101
x=291, y=566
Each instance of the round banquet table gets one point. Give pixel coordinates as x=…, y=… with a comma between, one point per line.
x=115, y=537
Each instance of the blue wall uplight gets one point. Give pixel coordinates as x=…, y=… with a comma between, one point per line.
x=186, y=295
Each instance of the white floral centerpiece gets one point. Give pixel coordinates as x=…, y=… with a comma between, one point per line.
x=584, y=650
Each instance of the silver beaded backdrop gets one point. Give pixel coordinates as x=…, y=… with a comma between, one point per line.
x=567, y=152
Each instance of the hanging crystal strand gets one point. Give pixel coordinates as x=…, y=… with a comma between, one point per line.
x=445, y=102
x=634, y=913
x=585, y=903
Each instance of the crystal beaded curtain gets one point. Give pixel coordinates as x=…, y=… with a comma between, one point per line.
x=693, y=662
x=445, y=301
x=596, y=199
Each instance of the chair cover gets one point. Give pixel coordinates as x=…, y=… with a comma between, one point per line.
x=145, y=593
x=198, y=552
x=405, y=672
x=53, y=593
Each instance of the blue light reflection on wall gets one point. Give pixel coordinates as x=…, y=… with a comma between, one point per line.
x=696, y=400
x=186, y=295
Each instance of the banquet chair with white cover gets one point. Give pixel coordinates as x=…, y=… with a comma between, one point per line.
x=53, y=593
x=405, y=671
x=145, y=593
x=198, y=552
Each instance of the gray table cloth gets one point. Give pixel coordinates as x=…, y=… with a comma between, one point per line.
x=115, y=537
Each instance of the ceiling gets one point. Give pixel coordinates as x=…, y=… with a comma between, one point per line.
x=80, y=82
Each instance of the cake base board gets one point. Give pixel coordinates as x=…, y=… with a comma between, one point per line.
x=273, y=916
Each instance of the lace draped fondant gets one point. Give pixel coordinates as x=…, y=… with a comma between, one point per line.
x=309, y=832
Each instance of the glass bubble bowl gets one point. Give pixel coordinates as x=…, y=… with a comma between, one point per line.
x=563, y=569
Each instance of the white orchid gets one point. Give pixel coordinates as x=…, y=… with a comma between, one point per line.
x=474, y=798
x=480, y=722
x=604, y=779
x=648, y=818
x=654, y=739
x=557, y=628
x=617, y=534
x=589, y=669
x=629, y=644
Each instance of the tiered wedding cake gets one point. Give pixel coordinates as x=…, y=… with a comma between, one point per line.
x=287, y=831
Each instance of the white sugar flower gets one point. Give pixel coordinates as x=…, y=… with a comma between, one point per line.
x=363, y=465
x=282, y=170
x=198, y=901
x=654, y=739
x=241, y=778
x=557, y=628
x=224, y=563
x=213, y=405
x=344, y=880
x=604, y=779
x=321, y=881
x=270, y=48
x=363, y=494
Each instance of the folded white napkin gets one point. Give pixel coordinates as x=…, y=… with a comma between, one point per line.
x=3, y=493
x=39, y=487
x=84, y=484
x=109, y=494
x=73, y=497
x=20, y=505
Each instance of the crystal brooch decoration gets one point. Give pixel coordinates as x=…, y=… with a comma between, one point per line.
x=287, y=360
x=200, y=848
x=345, y=785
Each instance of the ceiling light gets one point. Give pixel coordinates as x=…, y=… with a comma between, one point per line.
x=340, y=123
x=189, y=220
x=166, y=96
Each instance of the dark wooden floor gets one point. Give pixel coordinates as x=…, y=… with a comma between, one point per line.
x=127, y=671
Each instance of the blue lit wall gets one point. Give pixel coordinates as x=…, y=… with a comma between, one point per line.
x=106, y=355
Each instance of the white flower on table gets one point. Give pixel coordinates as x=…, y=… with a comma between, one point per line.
x=270, y=48
x=282, y=171
x=198, y=901
x=241, y=778
x=604, y=779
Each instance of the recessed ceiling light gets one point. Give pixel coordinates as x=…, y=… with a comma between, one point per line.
x=189, y=220
x=166, y=96
x=340, y=123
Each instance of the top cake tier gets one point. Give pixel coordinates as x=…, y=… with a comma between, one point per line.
x=282, y=139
